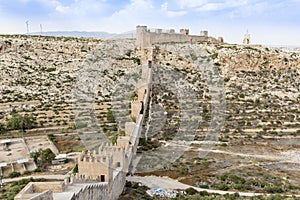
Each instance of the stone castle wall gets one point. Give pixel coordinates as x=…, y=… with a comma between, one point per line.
x=146, y=38
x=118, y=184
x=92, y=192
x=136, y=107
x=47, y=195
x=42, y=186
x=40, y=190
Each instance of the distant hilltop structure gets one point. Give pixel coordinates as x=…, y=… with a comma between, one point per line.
x=146, y=37
x=246, y=40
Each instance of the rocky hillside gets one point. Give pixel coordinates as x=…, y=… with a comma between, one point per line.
x=259, y=140
x=257, y=86
x=39, y=74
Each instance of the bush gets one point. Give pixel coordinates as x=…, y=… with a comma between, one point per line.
x=214, y=56
x=42, y=158
x=14, y=174
x=242, y=96
x=2, y=128
x=226, y=79
x=47, y=156
x=52, y=138
x=75, y=170
x=20, y=122
x=191, y=191
x=79, y=124
x=110, y=116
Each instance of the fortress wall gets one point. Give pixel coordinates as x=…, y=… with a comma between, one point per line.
x=92, y=192
x=117, y=153
x=44, y=186
x=129, y=127
x=123, y=141
x=47, y=195
x=128, y=158
x=118, y=185
x=145, y=38
x=136, y=107
x=43, y=190
x=118, y=159
x=161, y=38
x=204, y=39
x=28, y=189
x=137, y=133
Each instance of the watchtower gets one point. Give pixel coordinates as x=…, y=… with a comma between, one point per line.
x=246, y=40
x=93, y=166
x=185, y=31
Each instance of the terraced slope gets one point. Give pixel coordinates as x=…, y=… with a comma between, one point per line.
x=39, y=74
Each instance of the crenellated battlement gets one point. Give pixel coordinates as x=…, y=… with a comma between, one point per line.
x=145, y=37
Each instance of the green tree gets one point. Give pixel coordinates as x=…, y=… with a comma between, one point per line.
x=43, y=157
x=47, y=156
x=20, y=122
x=35, y=156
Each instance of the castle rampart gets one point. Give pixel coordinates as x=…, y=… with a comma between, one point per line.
x=145, y=38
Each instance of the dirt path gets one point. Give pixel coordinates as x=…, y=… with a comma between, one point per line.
x=58, y=177
x=155, y=182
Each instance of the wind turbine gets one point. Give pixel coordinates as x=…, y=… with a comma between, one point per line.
x=27, y=25
x=41, y=27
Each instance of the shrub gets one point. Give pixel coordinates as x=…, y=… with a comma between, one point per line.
x=14, y=174
x=214, y=56
x=191, y=191
x=75, y=170
x=47, y=156
x=79, y=124
x=242, y=96
x=52, y=138
x=110, y=116
x=226, y=79
x=2, y=128
x=20, y=122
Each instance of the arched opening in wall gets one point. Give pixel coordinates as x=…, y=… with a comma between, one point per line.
x=102, y=178
x=118, y=164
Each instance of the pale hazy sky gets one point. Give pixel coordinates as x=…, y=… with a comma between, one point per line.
x=268, y=21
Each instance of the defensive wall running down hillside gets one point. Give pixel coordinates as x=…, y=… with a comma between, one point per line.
x=102, y=171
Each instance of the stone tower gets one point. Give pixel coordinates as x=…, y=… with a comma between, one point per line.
x=95, y=166
x=246, y=40
x=185, y=31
